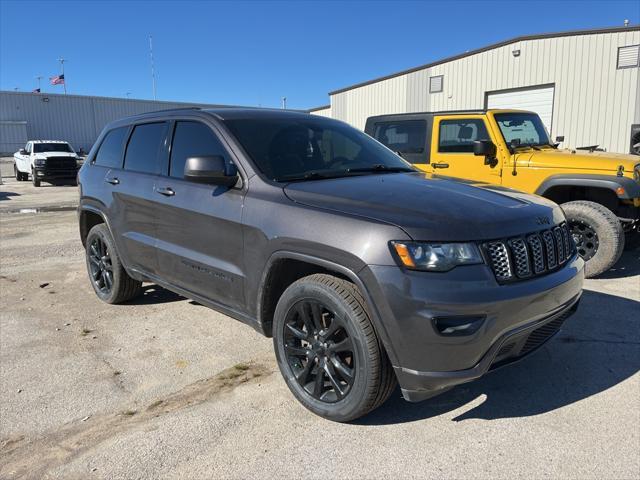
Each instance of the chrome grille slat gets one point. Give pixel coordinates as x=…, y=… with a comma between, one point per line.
x=550, y=249
x=520, y=254
x=531, y=255
x=500, y=261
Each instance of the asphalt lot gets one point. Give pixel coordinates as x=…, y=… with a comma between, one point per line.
x=165, y=388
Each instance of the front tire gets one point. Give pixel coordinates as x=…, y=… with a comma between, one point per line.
x=598, y=235
x=109, y=279
x=328, y=351
x=35, y=180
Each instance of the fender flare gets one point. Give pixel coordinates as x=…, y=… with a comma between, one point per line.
x=608, y=182
x=373, y=311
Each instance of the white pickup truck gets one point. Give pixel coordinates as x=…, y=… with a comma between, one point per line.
x=50, y=161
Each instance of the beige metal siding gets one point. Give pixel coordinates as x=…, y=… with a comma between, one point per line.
x=323, y=112
x=595, y=103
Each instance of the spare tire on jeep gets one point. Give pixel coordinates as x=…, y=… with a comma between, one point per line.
x=598, y=235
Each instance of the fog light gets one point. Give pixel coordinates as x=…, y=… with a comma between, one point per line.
x=458, y=326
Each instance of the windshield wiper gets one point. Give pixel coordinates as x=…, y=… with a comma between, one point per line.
x=310, y=176
x=380, y=168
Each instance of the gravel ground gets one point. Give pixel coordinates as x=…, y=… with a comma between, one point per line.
x=165, y=388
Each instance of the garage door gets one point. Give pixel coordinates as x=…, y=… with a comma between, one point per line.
x=536, y=99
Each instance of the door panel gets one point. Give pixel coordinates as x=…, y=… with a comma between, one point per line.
x=200, y=240
x=452, y=149
x=199, y=226
x=536, y=99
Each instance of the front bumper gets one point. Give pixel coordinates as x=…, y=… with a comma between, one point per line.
x=427, y=362
x=55, y=174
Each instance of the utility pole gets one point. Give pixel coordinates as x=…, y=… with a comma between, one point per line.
x=153, y=72
x=39, y=78
x=284, y=103
x=64, y=84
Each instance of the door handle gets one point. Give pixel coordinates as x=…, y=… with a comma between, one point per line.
x=166, y=191
x=440, y=165
x=112, y=180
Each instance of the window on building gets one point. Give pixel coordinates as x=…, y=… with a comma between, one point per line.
x=408, y=136
x=435, y=83
x=192, y=139
x=457, y=136
x=144, y=148
x=629, y=57
x=110, y=151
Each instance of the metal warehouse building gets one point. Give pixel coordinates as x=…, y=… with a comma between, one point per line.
x=74, y=118
x=585, y=85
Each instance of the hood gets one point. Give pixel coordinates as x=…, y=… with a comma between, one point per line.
x=429, y=208
x=595, y=162
x=55, y=154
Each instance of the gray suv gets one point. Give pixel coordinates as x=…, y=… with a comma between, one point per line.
x=365, y=272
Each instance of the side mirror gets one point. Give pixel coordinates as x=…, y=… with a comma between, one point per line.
x=22, y=151
x=210, y=169
x=560, y=138
x=484, y=148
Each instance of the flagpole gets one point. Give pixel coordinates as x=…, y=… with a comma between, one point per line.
x=153, y=72
x=39, y=77
x=64, y=84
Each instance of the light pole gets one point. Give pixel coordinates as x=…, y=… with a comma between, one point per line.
x=39, y=78
x=127, y=94
x=153, y=72
x=284, y=103
x=64, y=83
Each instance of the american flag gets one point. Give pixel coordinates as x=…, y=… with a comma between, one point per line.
x=36, y=90
x=57, y=80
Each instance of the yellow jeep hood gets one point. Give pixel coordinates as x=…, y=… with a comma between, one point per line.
x=596, y=162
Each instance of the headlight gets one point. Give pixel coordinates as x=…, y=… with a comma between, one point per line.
x=40, y=162
x=436, y=257
x=79, y=161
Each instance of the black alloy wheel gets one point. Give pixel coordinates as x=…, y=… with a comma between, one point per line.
x=100, y=265
x=319, y=351
x=585, y=237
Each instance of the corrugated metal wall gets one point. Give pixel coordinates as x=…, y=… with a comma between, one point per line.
x=594, y=103
x=74, y=118
x=323, y=112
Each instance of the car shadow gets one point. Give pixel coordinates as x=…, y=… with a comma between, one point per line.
x=8, y=195
x=627, y=266
x=596, y=350
x=153, y=294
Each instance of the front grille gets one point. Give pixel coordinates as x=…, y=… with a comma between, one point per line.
x=61, y=163
x=530, y=255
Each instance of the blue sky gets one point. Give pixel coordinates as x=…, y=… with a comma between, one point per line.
x=253, y=53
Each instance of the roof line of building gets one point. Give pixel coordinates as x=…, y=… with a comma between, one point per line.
x=484, y=49
x=315, y=109
x=63, y=95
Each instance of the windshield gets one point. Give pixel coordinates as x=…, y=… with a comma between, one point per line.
x=51, y=147
x=526, y=127
x=290, y=149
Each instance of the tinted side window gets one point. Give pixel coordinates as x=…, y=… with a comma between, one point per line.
x=144, y=147
x=192, y=139
x=407, y=136
x=110, y=151
x=459, y=135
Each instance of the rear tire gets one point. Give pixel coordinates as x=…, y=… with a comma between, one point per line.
x=109, y=279
x=322, y=330
x=598, y=235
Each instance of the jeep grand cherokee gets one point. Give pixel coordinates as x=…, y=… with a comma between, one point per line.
x=364, y=271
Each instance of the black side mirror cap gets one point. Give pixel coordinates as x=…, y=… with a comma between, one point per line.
x=484, y=148
x=22, y=151
x=560, y=138
x=211, y=170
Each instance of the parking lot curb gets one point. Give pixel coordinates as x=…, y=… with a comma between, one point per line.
x=44, y=209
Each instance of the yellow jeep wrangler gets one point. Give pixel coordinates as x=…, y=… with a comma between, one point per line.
x=599, y=191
